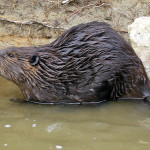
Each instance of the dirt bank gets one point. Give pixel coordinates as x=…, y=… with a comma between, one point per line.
x=36, y=22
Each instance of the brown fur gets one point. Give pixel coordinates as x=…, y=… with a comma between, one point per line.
x=88, y=63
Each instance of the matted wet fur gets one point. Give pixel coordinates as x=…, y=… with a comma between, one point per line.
x=88, y=63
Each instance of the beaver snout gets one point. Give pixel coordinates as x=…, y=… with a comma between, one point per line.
x=1, y=57
x=2, y=52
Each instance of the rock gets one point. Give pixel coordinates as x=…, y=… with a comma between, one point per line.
x=139, y=32
x=66, y=1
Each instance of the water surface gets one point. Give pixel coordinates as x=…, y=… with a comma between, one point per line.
x=122, y=125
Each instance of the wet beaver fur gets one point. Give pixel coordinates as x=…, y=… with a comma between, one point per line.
x=88, y=63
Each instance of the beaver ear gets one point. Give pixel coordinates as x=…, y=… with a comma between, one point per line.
x=34, y=60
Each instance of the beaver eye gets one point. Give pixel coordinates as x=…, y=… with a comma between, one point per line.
x=34, y=60
x=11, y=55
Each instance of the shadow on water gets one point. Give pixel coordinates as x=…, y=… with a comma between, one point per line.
x=113, y=125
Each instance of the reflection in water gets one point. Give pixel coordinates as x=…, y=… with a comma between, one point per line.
x=115, y=125
x=145, y=123
x=7, y=125
x=52, y=127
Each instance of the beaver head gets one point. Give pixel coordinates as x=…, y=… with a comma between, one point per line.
x=34, y=70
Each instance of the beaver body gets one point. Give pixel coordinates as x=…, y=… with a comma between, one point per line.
x=88, y=63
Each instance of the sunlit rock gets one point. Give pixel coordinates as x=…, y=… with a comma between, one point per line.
x=139, y=32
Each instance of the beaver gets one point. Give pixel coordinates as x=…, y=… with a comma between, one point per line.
x=88, y=63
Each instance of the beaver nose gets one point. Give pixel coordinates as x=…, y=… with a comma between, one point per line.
x=2, y=52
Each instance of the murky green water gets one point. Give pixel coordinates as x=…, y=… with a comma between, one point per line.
x=111, y=126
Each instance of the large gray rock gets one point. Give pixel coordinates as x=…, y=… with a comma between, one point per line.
x=139, y=32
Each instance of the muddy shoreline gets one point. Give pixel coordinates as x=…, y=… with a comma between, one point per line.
x=37, y=22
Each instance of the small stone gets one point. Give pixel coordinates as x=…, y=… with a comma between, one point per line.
x=64, y=2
